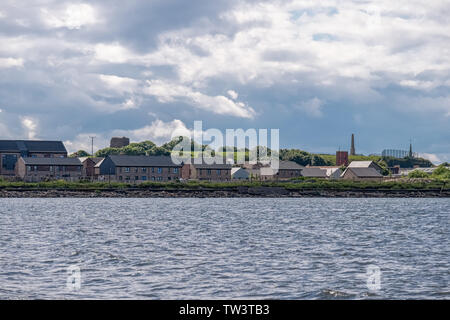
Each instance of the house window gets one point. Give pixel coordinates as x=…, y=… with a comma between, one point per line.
x=28, y=168
x=159, y=178
x=144, y=169
x=136, y=169
x=168, y=170
x=218, y=172
x=127, y=169
x=136, y=178
x=9, y=161
x=120, y=178
x=144, y=178
x=209, y=172
x=127, y=178
x=175, y=170
x=153, y=170
x=159, y=170
x=153, y=178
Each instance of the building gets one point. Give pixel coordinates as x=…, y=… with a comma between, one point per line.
x=361, y=174
x=12, y=150
x=43, y=169
x=286, y=170
x=333, y=172
x=365, y=164
x=314, y=173
x=136, y=169
x=119, y=142
x=205, y=171
x=89, y=165
x=240, y=174
x=341, y=158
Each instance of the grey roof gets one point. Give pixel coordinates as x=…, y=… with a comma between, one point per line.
x=52, y=161
x=314, y=173
x=142, y=161
x=289, y=165
x=94, y=159
x=365, y=172
x=32, y=146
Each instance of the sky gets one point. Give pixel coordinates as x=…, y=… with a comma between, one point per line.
x=317, y=71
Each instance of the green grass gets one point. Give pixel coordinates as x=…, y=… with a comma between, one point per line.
x=296, y=184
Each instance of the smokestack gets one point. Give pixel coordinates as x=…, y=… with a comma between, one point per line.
x=352, y=148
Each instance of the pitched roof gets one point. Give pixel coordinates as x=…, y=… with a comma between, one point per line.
x=314, y=173
x=364, y=172
x=32, y=146
x=142, y=161
x=289, y=165
x=52, y=161
x=94, y=159
x=360, y=164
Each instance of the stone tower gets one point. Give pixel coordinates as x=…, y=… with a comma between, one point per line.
x=352, y=148
x=117, y=142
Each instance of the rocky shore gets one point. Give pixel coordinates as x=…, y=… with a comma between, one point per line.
x=238, y=192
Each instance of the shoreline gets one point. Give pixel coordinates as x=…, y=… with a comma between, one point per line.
x=239, y=192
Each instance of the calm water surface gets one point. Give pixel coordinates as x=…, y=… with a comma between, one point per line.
x=224, y=248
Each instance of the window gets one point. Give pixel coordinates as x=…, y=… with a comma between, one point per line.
x=159, y=178
x=159, y=170
x=120, y=178
x=136, y=169
x=9, y=161
x=28, y=168
x=127, y=178
x=144, y=178
x=153, y=170
x=153, y=178
x=168, y=170
x=175, y=170
x=127, y=169
x=144, y=169
x=209, y=172
x=218, y=172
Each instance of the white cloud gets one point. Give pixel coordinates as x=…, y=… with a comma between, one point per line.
x=119, y=84
x=233, y=94
x=432, y=157
x=312, y=107
x=74, y=16
x=11, y=62
x=30, y=126
x=112, y=52
x=169, y=92
x=158, y=131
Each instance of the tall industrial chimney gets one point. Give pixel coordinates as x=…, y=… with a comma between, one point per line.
x=352, y=148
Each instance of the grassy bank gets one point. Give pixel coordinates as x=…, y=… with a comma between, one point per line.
x=318, y=184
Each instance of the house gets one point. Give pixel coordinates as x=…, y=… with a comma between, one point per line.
x=240, y=174
x=286, y=170
x=333, y=172
x=42, y=169
x=89, y=165
x=12, y=150
x=314, y=173
x=363, y=174
x=123, y=168
x=205, y=171
x=365, y=164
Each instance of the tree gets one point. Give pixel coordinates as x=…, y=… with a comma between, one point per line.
x=418, y=174
x=79, y=154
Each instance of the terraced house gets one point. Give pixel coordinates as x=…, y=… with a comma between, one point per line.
x=135, y=169
x=41, y=169
x=12, y=150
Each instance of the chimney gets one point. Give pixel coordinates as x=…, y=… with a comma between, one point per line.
x=352, y=148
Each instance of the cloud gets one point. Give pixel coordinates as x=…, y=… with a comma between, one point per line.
x=11, y=62
x=233, y=94
x=73, y=16
x=312, y=107
x=434, y=158
x=168, y=92
x=30, y=126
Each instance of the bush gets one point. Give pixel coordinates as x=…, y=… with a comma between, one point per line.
x=418, y=174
